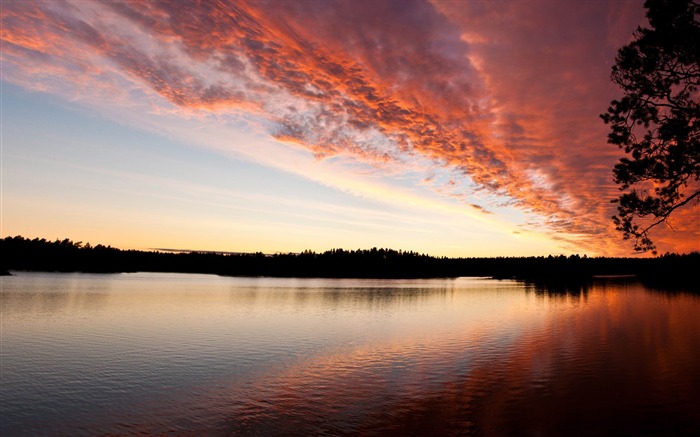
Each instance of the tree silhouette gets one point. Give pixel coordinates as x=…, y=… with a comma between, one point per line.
x=656, y=121
x=24, y=254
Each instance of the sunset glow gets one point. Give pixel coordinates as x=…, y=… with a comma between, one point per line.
x=455, y=128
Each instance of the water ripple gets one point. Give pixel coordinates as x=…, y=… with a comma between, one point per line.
x=145, y=354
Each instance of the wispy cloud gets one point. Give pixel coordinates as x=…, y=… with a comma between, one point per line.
x=499, y=98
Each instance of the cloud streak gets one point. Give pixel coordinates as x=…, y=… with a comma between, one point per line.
x=501, y=96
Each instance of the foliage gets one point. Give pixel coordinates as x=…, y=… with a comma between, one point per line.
x=656, y=121
x=19, y=253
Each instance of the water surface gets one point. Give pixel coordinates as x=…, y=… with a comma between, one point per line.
x=148, y=353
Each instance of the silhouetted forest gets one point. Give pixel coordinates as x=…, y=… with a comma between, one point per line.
x=20, y=253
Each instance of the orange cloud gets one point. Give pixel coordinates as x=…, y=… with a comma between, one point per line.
x=504, y=95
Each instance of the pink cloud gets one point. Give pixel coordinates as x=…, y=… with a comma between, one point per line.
x=505, y=94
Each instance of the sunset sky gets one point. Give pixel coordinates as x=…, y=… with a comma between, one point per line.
x=455, y=128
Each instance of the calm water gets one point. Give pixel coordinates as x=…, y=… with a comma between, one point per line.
x=193, y=354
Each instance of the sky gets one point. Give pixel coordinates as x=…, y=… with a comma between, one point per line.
x=452, y=128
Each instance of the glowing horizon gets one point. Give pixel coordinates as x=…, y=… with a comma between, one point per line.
x=448, y=128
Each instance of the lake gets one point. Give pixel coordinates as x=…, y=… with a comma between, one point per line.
x=177, y=354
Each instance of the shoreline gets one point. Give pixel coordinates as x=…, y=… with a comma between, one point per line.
x=21, y=254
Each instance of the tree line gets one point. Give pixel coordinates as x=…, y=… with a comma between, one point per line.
x=19, y=253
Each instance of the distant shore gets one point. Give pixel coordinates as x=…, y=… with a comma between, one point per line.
x=21, y=253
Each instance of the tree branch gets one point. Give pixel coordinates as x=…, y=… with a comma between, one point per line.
x=664, y=217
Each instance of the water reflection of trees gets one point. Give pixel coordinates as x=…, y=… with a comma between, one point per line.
x=581, y=288
x=377, y=298
x=370, y=298
x=572, y=288
x=672, y=289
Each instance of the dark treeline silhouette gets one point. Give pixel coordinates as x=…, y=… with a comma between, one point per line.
x=20, y=253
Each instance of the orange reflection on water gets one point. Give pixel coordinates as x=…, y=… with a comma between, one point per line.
x=314, y=356
x=613, y=359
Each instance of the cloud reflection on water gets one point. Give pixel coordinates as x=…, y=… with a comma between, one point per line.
x=195, y=353
x=617, y=360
